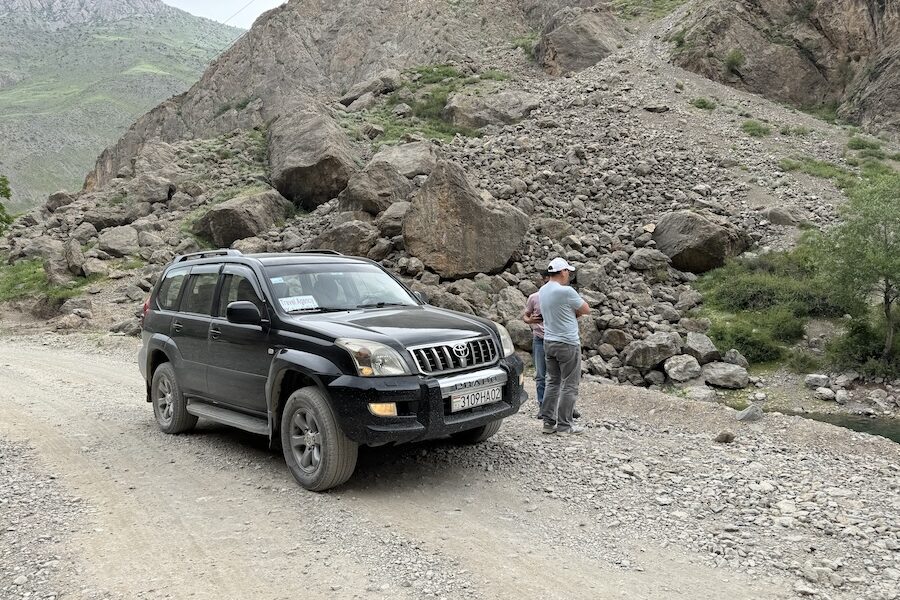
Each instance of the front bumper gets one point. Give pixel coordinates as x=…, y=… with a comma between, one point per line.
x=423, y=403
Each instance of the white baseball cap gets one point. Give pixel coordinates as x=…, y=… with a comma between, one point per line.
x=559, y=264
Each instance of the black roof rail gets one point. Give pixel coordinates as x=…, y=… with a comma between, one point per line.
x=207, y=254
x=322, y=251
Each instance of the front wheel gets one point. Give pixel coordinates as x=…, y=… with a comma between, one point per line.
x=316, y=451
x=479, y=434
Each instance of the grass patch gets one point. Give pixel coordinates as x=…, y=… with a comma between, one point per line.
x=756, y=129
x=862, y=143
x=27, y=279
x=802, y=362
x=703, y=103
x=526, y=43
x=760, y=306
x=816, y=168
x=435, y=74
x=652, y=9
x=795, y=131
x=826, y=112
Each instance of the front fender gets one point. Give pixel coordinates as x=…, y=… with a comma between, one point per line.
x=315, y=368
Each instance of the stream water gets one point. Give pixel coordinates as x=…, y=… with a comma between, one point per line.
x=888, y=428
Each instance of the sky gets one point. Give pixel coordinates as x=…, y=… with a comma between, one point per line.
x=222, y=10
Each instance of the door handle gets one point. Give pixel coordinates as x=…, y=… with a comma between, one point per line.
x=177, y=327
x=215, y=333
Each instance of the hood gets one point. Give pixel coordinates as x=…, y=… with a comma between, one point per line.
x=405, y=326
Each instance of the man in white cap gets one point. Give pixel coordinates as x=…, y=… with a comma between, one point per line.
x=561, y=306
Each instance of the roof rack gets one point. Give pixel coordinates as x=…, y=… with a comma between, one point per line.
x=207, y=254
x=322, y=251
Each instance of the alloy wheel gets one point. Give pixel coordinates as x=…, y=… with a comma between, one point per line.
x=306, y=440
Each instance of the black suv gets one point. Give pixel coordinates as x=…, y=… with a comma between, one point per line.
x=320, y=352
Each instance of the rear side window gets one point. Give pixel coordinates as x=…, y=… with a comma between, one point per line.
x=167, y=298
x=198, y=296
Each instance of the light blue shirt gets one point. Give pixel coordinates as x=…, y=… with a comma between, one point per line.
x=558, y=306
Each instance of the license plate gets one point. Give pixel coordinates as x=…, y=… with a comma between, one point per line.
x=475, y=398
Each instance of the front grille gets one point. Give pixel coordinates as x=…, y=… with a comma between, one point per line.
x=455, y=356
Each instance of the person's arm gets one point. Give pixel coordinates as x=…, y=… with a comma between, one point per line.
x=578, y=304
x=527, y=316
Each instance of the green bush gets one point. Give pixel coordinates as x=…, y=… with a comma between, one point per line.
x=861, y=143
x=802, y=362
x=436, y=73
x=756, y=129
x=861, y=349
x=703, y=103
x=526, y=43
x=734, y=61
x=5, y=194
x=755, y=344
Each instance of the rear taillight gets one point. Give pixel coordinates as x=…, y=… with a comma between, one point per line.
x=144, y=311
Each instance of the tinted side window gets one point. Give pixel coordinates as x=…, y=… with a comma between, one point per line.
x=237, y=288
x=198, y=296
x=170, y=288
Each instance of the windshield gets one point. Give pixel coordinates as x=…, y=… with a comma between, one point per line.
x=331, y=287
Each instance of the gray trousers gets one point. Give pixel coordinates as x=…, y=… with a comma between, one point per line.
x=563, y=377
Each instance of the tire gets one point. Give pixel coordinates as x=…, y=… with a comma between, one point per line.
x=479, y=434
x=169, y=405
x=316, y=451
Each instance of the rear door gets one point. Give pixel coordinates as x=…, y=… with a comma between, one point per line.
x=190, y=328
x=239, y=354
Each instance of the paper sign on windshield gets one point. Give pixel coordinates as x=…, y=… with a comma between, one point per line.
x=292, y=303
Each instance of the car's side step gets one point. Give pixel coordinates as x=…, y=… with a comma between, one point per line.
x=229, y=417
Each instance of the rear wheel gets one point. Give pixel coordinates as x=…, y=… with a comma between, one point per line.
x=316, y=451
x=169, y=405
x=479, y=434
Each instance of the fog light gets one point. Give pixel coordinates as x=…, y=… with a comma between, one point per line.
x=383, y=409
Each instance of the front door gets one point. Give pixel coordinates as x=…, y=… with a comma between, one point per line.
x=239, y=354
x=190, y=329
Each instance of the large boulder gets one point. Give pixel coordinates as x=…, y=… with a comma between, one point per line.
x=503, y=108
x=576, y=38
x=242, y=217
x=74, y=256
x=57, y=200
x=390, y=222
x=726, y=375
x=457, y=233
x=375, y=189
x=415, y=158
x=653, y=350
x=150, y=188
x=355, y=238
x=698, y=241
x=386, y=81
x=682, y=368
x=701, y=347
x=648, y=259
x=310, y=158
x=119, y=241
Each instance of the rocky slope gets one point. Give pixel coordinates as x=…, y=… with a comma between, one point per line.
x=74, y=75
x=811, y=53
x=615, y=167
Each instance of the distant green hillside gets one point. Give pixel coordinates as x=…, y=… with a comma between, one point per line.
x=66, y=94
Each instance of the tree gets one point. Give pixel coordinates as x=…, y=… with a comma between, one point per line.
x=861, y=256
x=5, y=218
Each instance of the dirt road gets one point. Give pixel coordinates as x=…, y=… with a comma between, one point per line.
x=214, y=514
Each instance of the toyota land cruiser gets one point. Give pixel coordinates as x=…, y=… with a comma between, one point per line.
x=321, y=353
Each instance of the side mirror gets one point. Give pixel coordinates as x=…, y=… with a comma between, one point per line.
x=422, y=297
x=243, y=313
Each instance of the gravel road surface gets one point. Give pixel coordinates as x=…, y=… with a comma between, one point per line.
x=95, y=503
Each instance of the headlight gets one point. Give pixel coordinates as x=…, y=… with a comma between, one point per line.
x=505, y=340
x=373, y=359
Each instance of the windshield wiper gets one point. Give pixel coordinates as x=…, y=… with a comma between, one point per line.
x=320, y=309
x=383, y=304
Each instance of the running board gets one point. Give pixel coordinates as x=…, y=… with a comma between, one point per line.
x=229, y=417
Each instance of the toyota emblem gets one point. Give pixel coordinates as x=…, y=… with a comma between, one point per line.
x=461, y=350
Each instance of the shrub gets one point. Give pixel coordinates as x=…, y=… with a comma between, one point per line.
x=756, y=129
x=703, y=103
x=5, y=194
x=678, y=38
x=861, y=143
x=797, y=131
x=802, y=361
x=734, y=61
x=526, y=43
x=756, y=345
x=436, y=74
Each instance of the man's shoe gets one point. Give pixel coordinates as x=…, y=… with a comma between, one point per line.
x=576, y=414
x=549, y=429
x=573, y=430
